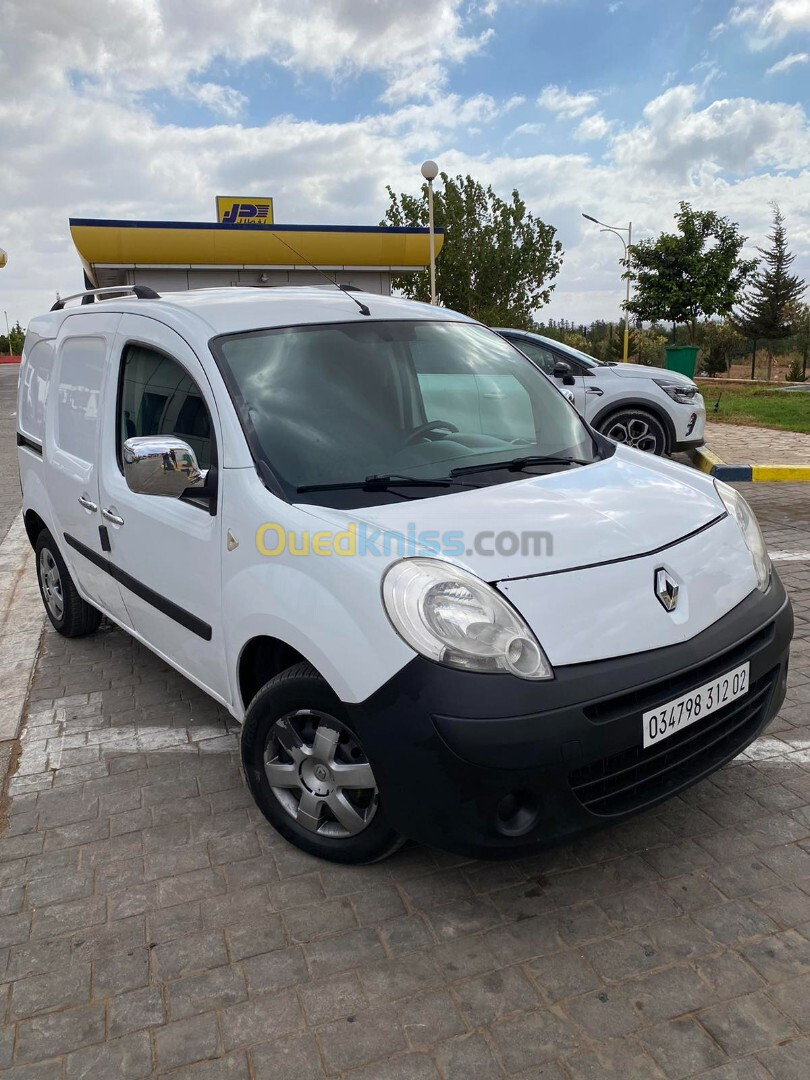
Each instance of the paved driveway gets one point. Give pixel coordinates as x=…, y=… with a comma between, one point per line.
x=151, y=922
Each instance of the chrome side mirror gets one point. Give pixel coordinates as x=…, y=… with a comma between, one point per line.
x=161, y=465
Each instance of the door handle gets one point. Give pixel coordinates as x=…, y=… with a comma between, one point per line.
x=87, y=504
x=113, y=519
x=594, y=390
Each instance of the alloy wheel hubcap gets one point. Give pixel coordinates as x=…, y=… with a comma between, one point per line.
x=51, y=584
x=320, y=774
x=634, y=432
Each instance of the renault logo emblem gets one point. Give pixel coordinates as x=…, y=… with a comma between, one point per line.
x=666, y=589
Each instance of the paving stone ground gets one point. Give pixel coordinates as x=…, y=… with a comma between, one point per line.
x=151, y=923
x=739, y=445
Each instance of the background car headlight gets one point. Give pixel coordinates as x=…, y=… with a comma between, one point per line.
x=449, y=615
x=742, y=513
x=678, y=391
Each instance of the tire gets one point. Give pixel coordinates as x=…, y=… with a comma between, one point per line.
x=297, y=730
x=70, y=615
x=637, y=428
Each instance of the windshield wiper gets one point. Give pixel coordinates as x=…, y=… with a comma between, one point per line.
x=519, y=463
x=381, y=483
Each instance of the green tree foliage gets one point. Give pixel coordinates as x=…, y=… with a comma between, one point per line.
x=498, y=261
x=691, y=274
x=772, y=307
x=615, y=347
x=650, y=346
x=720, y=344
x=13, y=343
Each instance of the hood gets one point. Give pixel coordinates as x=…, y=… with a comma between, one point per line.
x=627, y=505
x=642, y=371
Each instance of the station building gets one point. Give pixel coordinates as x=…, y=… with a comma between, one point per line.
x=245, y=247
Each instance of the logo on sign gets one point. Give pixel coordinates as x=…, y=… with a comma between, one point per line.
x=236, y=211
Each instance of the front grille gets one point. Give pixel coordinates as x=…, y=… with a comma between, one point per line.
x=655, y=694
x=636, y=777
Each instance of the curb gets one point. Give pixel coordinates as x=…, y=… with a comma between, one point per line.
x=21, y=622
x=707, y=461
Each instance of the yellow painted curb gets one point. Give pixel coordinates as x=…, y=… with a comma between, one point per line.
x=787, y=473
x=704, y=459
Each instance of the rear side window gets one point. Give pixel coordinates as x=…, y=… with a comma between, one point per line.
x=36, y=376
x=81, y=369
x=159, y=397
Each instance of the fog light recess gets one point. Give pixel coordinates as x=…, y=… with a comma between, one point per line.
x=517, y=813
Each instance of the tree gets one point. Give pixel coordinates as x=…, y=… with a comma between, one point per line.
x=13, y=344
x=771, y=310
x=692, y=274
x=720, y=343
x=498, y=261
x=615, y=349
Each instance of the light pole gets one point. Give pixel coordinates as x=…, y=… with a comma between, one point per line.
x=617, y=231
x=8, y=333
x=430, y=170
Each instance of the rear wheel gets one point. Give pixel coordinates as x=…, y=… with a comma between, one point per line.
x=69, y=614
x=637, y=428
x=309, y=773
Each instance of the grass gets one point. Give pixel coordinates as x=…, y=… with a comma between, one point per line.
x=756, y=406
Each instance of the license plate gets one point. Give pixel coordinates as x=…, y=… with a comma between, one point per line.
x=668, y=719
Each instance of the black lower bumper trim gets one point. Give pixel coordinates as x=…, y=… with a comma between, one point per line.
x=450, y=749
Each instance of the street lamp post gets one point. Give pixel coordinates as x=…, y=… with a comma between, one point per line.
x=430, y=170
x=617, y=231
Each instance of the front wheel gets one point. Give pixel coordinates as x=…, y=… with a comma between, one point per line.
x=70, y=615
x=308, y=771
x=637, y=428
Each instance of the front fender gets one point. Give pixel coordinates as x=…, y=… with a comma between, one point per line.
x=328, y=608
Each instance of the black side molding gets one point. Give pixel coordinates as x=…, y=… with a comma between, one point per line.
x=29, y=444
x=166, y=607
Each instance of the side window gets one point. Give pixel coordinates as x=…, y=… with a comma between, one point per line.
x=36, y=378
x=158, y=397
x=544, y=358
x=81, y=369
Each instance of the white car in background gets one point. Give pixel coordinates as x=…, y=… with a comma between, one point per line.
x=645, y=407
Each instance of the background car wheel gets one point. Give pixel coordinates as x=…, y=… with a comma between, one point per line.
x=308, y=771
x=637, y=428
x=69, y=614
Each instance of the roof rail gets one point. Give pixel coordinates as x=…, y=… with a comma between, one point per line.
x=141, y=292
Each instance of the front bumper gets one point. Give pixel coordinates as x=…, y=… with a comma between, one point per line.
x=493, y=766
x=688, y=444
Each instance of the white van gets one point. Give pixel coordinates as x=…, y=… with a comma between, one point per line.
x=442, y=605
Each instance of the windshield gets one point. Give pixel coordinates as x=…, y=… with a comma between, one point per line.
x=339, y=403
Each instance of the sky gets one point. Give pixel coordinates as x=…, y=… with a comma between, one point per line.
x=616, y=108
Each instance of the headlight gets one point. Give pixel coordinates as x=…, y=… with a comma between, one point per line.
x=742, y=513
x=451, y=616
x=677, y=391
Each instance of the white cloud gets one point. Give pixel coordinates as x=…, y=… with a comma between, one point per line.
x=223, y=100
x=558, y=100
x=79, y=140
x=731, y=136
x=592, y=127
x=770, y=21
x=129, y=46
x=788, y=62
